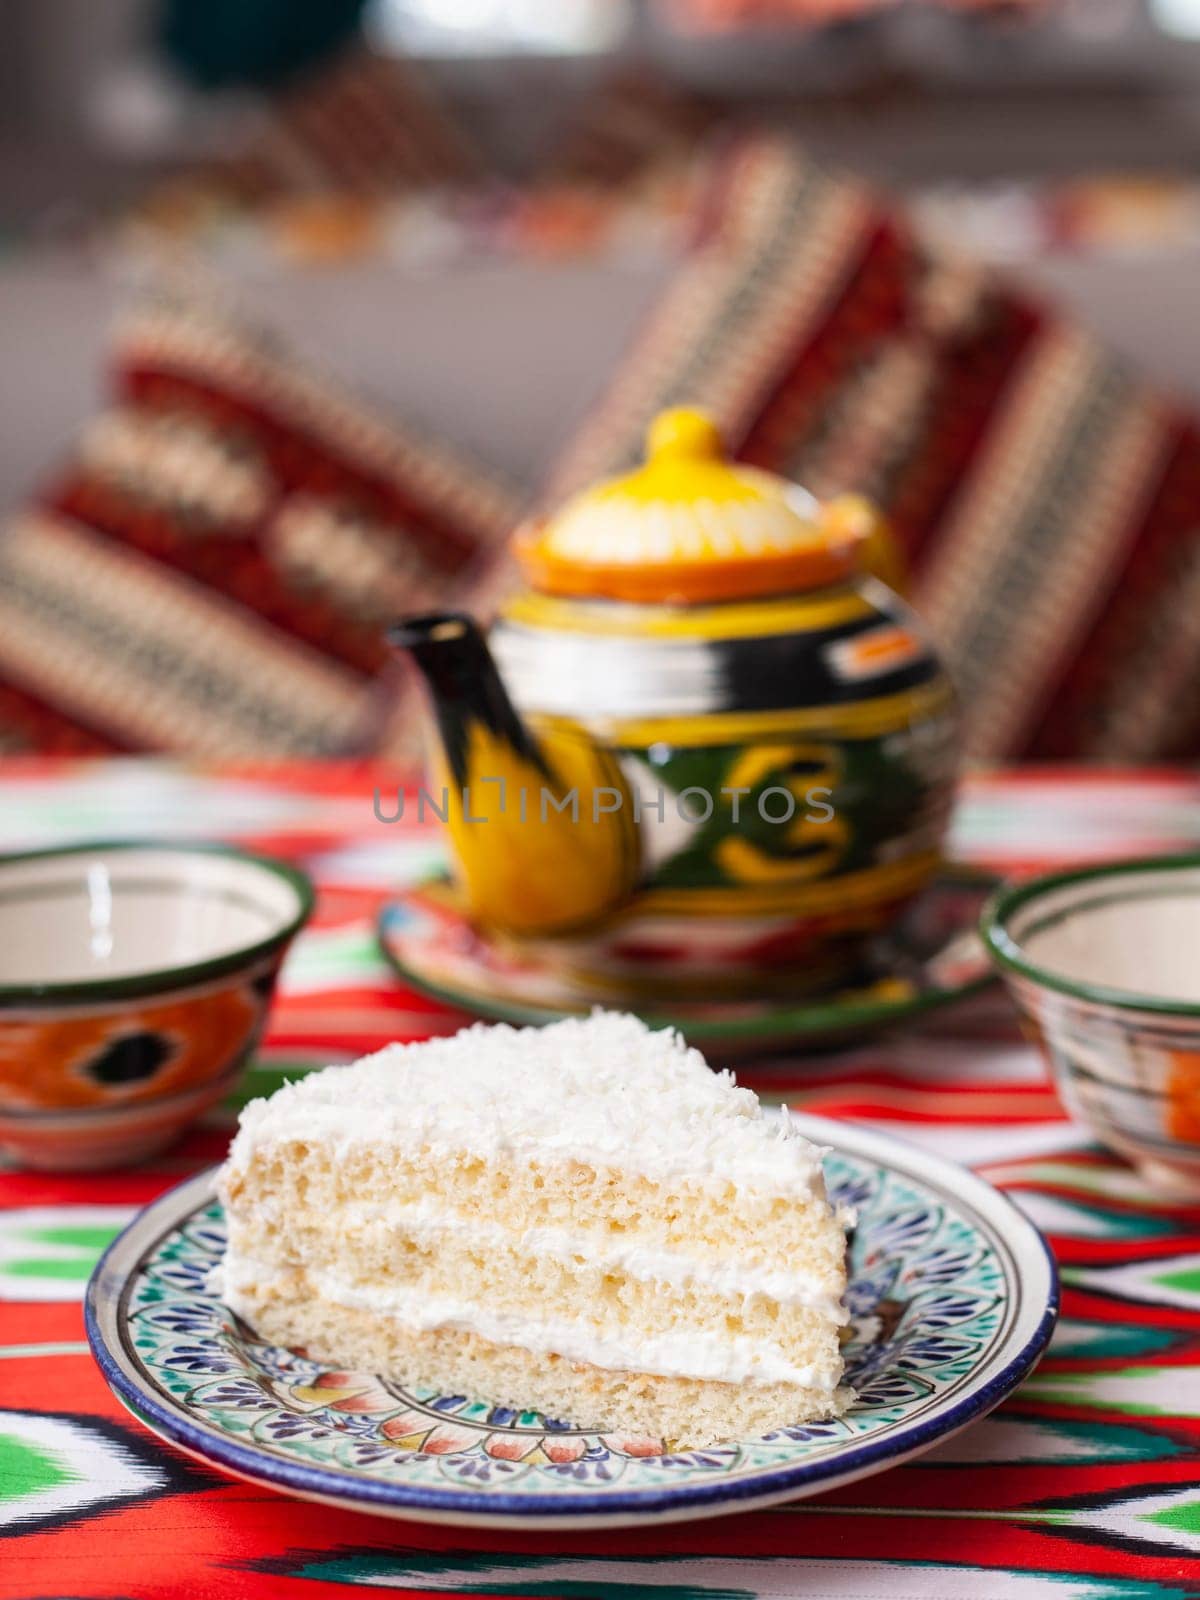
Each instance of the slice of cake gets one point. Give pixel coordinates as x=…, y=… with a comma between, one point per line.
x=581, y=1220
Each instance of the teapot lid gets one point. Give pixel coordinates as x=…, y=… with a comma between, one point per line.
x=689, y=525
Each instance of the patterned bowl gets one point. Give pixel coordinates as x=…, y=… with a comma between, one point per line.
x=1103, y=966
x=134, y=983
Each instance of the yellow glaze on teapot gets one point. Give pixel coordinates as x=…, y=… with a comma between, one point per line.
x=707, y=748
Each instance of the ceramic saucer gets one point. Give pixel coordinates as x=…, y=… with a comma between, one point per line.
x=953, y=1296
x=931, y=958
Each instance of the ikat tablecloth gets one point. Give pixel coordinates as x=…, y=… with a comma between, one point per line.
x=1084, y=1485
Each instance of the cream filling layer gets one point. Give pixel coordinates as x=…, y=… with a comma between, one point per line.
x=674, y=1354
x=789, y=1285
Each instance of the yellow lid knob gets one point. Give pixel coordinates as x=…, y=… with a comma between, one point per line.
x=684, y=434
x=689, y=525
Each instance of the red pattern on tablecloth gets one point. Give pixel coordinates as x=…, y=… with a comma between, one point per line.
x=1081, y=1485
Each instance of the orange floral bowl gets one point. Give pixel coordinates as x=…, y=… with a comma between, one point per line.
x=134, y=983
x=1103, y=965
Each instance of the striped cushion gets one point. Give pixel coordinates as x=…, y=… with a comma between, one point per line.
x=1046, y=498
x=211, y=571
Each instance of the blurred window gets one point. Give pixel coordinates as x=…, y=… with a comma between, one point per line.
x=498, y=27
x=1178, y=17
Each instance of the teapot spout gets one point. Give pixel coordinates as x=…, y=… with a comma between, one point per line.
x=465, y=690
x=542, y=835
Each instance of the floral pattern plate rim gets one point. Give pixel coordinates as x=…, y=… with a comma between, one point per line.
x=932, y=957
x=953, y=1297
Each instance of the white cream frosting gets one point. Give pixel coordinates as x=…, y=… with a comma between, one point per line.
x=737, y=1279
x=673, y=1354
x=603, y=1089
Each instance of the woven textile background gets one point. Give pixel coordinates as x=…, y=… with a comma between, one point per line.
x=211, y=570
x=1048, y=500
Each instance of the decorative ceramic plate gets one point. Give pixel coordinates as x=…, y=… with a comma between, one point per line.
x=932, y=957
x=953, y=1297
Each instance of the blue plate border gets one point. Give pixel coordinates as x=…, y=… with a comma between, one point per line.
x=609, y=1506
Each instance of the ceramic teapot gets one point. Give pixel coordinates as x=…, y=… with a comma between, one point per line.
x=705, y=750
